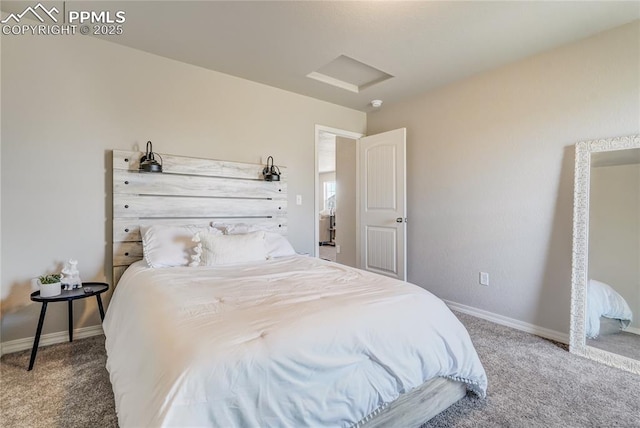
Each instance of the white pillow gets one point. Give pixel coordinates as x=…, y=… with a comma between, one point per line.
x=277, y=245
x=216, y=249
x=168, y=246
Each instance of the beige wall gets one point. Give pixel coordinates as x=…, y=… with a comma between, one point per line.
x=614, y=231
x=490, y=172
x=68, y=101
x=346, y=159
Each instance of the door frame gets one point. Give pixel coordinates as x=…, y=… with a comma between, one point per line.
x=316, y=209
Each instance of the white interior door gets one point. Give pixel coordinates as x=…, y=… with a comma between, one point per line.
x=382, y=213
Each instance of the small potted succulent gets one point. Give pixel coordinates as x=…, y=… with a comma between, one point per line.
x=49, y=285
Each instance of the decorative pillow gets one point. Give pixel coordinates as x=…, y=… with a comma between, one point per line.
x=277, y=245
x=216, y=249
x=168, y=246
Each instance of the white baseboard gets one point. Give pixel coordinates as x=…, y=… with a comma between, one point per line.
x=632, y=330
x=509, y=322
x=49, y=339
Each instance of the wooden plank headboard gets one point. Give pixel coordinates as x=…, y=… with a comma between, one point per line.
x=189, y=191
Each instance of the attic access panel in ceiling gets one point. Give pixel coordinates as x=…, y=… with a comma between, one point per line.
x=347, y=73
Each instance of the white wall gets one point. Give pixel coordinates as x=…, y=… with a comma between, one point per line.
x=490, y=172
x=614, y=231
x=68, y=101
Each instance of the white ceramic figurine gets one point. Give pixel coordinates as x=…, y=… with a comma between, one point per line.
x=71, y=276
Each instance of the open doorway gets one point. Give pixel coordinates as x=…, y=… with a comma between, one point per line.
x=327, y=196
x=365, y=213
x=328, y=185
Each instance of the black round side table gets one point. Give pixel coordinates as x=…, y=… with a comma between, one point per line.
x=88, y=289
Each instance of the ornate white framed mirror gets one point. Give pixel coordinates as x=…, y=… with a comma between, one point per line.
x=605, y=292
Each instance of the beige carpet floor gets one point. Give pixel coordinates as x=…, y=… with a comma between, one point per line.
x=68, y=387
x=532, y=383
x=328, y=252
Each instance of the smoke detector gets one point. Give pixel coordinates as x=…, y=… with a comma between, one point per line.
x=376, y=103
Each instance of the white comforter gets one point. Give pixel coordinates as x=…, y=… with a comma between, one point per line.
x=295, y=342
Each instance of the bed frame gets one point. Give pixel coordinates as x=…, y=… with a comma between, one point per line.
x=200, y=191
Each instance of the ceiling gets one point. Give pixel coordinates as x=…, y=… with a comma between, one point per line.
x=422, y=44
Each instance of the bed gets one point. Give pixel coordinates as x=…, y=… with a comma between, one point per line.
x=285, y=341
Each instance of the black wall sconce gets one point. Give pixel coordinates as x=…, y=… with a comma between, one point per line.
x=271, y=173
x=148, y=162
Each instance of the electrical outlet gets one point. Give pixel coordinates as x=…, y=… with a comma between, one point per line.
x=337, y=249
x=298, y=199
x=484, y=278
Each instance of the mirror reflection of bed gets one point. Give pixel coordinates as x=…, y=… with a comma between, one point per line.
x=608, y=321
